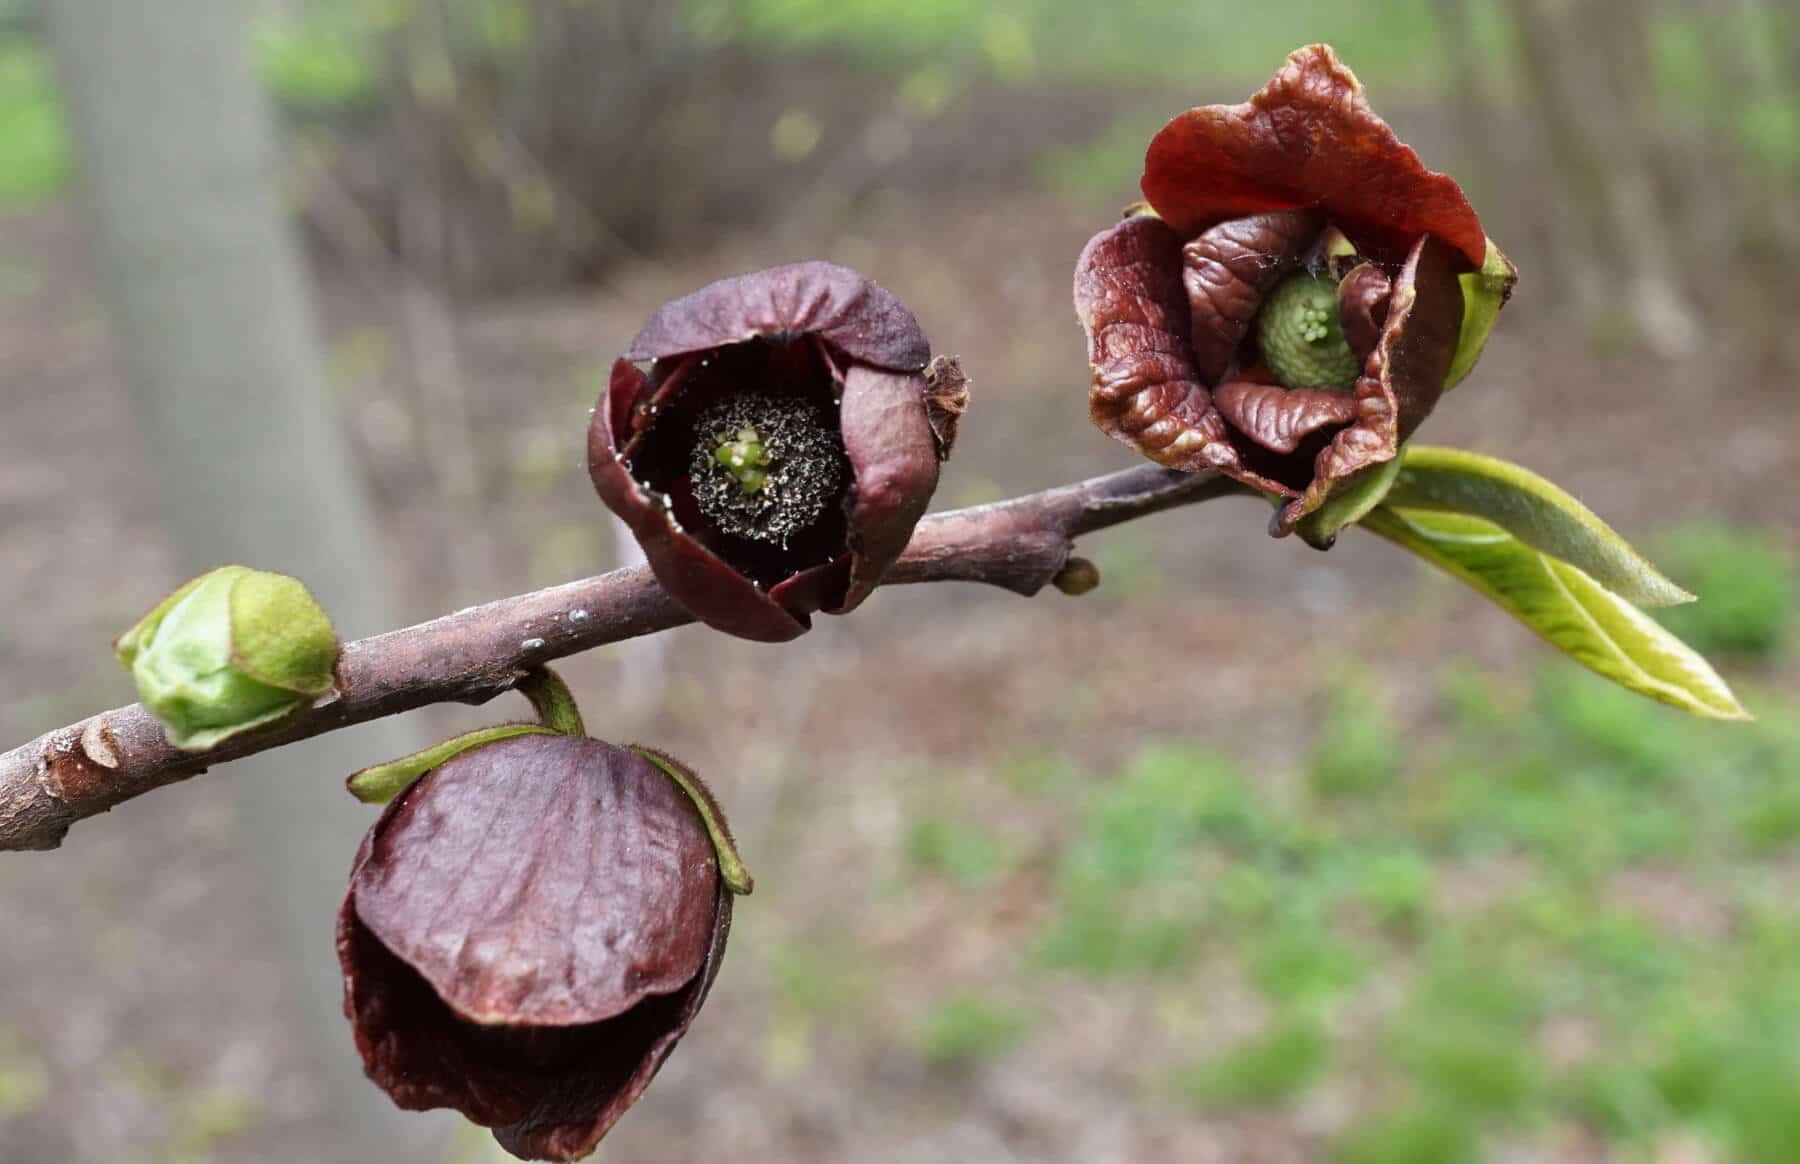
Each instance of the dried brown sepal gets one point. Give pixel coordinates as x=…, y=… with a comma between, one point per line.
x=810, y=332
x=530, y=929
x=946, y=399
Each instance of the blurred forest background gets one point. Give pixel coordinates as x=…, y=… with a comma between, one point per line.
x=1255, y=855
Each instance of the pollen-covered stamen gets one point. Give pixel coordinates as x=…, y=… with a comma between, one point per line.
x=765, y=467
x=1301, y=337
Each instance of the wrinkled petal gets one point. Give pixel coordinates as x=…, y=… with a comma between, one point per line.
x=1229, y=270
x=1146, y=392
x=1129, y=297
x=859, y=318
x=1307, y=140
x=1404, y=377
x=1280, y=418
x=542, y=881
x=1363, y=307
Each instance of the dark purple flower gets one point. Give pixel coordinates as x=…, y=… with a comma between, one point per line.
x=775, y=456
x=530, y=929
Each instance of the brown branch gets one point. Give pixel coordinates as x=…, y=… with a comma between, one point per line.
x=473, y=655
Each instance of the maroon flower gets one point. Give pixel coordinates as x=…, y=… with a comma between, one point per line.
x=778, y=452
x=530, y=928
x=1290, y=306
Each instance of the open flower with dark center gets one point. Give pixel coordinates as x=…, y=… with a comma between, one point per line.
x=530, y=929
x=1291, y=303
x=777, y=452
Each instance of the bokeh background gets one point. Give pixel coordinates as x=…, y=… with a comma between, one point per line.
x=1254, y=855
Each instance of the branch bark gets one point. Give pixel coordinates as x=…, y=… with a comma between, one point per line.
x=75, y=772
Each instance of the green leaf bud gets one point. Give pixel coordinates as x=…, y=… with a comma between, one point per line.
x=231, y=650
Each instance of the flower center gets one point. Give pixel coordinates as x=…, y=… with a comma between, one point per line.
x=746, y=459
x=1301, y=339
x=766, y=467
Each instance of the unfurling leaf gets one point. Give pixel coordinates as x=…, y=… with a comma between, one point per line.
x=1591, y=624
x=1534, y=511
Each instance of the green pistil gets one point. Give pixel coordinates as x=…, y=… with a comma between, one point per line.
x=766, y=468
x=745, y=458
x=1301, y=339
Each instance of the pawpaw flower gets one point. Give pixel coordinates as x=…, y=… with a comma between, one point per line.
x=1294, y=296
x=775, y=455
x=530, y=928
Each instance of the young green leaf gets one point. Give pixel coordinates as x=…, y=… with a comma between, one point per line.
x=1589, y=623
x=1535, y=512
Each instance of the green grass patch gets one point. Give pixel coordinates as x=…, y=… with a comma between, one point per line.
x=34, y=143
x=1421, y=1134
x=968, y=1029
x=1748, y=583
x=1275, y=1065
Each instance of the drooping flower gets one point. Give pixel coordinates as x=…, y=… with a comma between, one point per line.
x=1295, y=296
x=775, y=456
x=530, y=929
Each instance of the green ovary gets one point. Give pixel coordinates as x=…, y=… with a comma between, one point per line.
x=1301, y=339
x=745, y=459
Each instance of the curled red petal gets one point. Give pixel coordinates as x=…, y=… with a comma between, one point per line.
x=1403, y=378
x=1146, y=393
x=858, y=317
x=1229, y=269
x=1308, y=140
x=893, y=454
x=1363, y=307
x=1278, y=418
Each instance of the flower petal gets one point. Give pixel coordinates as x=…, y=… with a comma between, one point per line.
x=839, y=305
x=1280, y=418
x=548, y=1095
x=1363, y=306
x=1228, y=271
x=699, y=579
x=1308, y=139
x=1129, y=296
x=542, y=881
x=893, y=455
x=569, y=1122
x=1403, y=378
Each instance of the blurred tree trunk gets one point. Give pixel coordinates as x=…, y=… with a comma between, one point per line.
x=1468, y=102
x=212, y=328
x=1587, y=77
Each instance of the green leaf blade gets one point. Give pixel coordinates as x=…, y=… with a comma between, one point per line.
x=1534, y=511
x=1594, y=626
